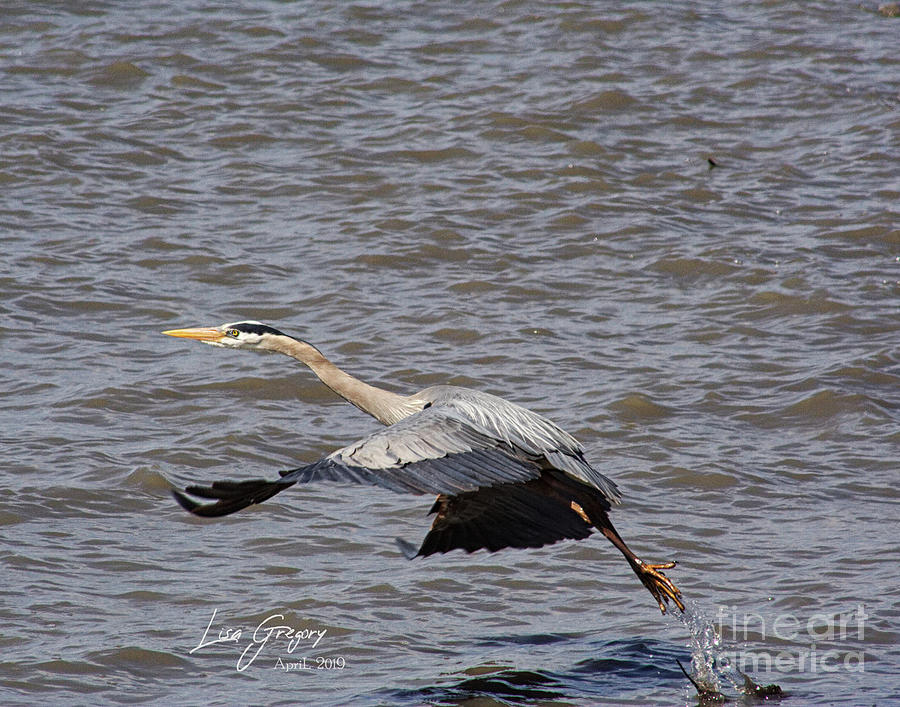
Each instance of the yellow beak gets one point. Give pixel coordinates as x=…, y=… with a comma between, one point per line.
x=207, y=334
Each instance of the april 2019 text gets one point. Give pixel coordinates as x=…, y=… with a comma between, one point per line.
x=317, y=663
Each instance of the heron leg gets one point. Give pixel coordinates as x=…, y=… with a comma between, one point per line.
x=651, y=575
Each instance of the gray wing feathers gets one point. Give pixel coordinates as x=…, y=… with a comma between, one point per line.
x=452, y=474
x=434, y=451
x=426, y=435
x=464, y=441
x=523, y=429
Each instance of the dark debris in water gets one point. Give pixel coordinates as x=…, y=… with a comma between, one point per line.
x=708, y=695
x=760, y=692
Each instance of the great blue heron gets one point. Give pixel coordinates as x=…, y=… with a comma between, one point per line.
x=504, y=476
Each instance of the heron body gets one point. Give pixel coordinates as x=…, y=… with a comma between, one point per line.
x=503, y=475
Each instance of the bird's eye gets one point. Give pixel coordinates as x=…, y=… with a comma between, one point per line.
x=234, y=333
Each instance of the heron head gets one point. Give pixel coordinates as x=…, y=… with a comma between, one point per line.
x=237, y=335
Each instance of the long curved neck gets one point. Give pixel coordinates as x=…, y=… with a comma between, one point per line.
x=383, y=405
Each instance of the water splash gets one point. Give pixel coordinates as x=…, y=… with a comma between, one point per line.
x=709, y=663
x=712, y=668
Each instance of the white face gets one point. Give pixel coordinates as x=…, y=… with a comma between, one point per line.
x=241, y=335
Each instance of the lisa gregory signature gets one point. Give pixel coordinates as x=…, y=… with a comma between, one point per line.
x=273, y=628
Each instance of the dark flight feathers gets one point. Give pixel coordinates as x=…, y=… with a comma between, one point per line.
x=232, y=496
x=533, y=514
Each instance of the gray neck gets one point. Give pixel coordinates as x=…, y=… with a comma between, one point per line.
x=383, y=405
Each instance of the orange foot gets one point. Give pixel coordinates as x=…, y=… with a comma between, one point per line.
x=660, y=586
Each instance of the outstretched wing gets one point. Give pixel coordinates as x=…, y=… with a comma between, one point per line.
x=463, y=442
x=434, y=451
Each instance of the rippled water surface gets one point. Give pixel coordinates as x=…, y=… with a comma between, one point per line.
x=671, y=227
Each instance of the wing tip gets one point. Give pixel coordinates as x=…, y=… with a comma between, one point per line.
x=410, y=552
x=186, y=503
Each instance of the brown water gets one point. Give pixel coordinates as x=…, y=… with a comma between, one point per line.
x=515, y=196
